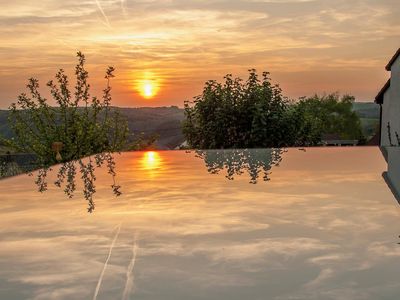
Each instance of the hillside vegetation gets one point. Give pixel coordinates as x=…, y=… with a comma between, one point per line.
x=166, y=122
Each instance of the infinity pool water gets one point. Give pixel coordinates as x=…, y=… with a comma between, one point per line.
x=314, y=224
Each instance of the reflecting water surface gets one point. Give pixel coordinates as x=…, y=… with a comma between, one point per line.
x=239, y=161
x=151, y=163
x=324, y=227
x=15, y=164
x=67, y=174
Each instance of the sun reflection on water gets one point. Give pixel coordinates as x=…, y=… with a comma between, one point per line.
x=151, y=161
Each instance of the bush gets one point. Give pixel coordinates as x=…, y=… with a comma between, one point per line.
x=251, y=114
x=333, y=114
x=80, y=126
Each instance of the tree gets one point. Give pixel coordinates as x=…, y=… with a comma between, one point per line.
x=248, y=114
x=333, y=114
x=80, y=126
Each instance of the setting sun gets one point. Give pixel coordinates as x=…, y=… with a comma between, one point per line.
x=148, y=85
x=148, y=90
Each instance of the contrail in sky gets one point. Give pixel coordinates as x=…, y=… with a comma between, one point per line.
x=103, y=13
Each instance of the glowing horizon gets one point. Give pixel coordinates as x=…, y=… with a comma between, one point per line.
x=164, y=51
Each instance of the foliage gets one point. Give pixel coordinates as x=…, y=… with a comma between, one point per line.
x=255, y=114
x=248, y=114
x=85, y=125
x=8, y=169
x=333, y=115
x=14, y=164
x=163, y=121
x=143, y=142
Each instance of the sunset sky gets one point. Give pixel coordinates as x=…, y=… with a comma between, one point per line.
x=165, y=50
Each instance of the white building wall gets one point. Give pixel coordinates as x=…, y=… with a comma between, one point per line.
x=391, y=106
x=394, y=169
x=385, y=119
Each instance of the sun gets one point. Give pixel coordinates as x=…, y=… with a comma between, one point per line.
x=148, y=90
x=148, y=85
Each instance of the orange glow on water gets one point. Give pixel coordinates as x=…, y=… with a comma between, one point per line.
x=184, y=213
x=151, y=161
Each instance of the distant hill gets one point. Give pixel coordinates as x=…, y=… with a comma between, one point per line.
x=369, y=116
x=162, y=121
x=4, y=128
x=366, y=109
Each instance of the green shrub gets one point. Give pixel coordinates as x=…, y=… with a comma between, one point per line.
x=250, y=114
x=81, y=125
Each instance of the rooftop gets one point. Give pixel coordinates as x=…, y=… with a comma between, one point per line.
x=379, y=98
x=392, y=60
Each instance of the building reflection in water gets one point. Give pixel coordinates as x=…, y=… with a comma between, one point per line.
x=256, y=162
x=67, y=176
x=392, y=175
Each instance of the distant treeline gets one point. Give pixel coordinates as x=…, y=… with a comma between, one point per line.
x=165, y=122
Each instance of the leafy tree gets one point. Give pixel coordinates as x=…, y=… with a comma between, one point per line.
x=333, y=115
x=248, y=114
x=80, y=126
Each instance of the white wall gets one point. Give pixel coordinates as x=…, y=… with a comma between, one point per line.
x=394, y=169
x=391, y=106
x=385, y=119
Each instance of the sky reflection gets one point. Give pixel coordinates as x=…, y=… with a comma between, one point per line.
x=324, y=227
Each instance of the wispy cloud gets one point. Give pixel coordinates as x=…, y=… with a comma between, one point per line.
x=309, y=46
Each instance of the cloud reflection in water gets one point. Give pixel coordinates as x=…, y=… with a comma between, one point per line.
x=324, y=227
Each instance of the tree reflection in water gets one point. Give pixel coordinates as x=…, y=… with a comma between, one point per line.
x=255, y=162
x=67, y=173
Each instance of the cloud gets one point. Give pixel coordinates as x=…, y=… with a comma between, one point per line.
x=185, y=43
